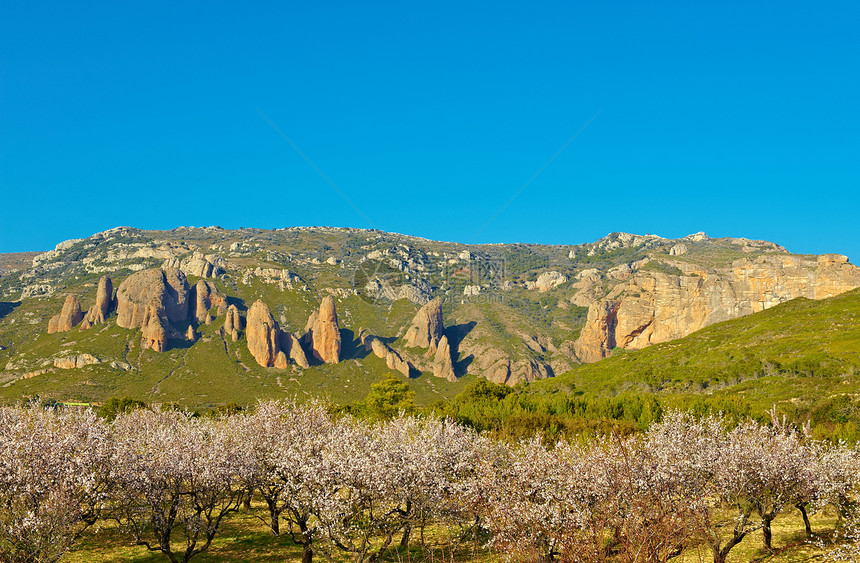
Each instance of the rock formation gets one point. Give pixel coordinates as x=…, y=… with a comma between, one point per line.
x=678, y=250
x=198, y=265
x=232, y=323
x=69, y=316
x=546, y=281
x=202, y=266
x=323, y=336
x=292, y=348
x=104, y=301
x=75, y=361
x=204, y=296
x=426, y=331
x=270, y=346
x=151, y=300
x=442, y=364
x=381, y=350
x=162, y=290
x=262, y=334
x=154, y=333
x=427, y=326
x=655, y=307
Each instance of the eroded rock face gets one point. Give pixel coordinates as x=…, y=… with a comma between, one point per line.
x=165, y=291
x=427, y=326
x=154, y=331
x=198, y=264
x=547, y=281
x=75, y=361
x=152, y=300
x=205, y=296
x=70, y=316
x=323, y=337
x=393, y=360
x=262, y=334
x=104, y=301
x=271, y=346
x=232, y=323
x=292, y=349
x=442, y=364
x=654, y=307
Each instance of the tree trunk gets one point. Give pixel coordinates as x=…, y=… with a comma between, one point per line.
x=247, y=500
x=308, y=554
x=404, y=541
x=720, y=555
x=802, y=508
x=766, y=532
x=275, y=519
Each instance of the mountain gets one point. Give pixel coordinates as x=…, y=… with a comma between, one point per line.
x=802, y=356
x=209, y=315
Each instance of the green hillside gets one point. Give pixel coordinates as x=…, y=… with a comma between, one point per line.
x=513, y=314
x=802, y=356
x=798, y=339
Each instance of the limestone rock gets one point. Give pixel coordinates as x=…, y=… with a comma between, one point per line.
x=262, y=334
x=293, y=349
x=442, y=364
x=597, y=337
x=205, y=296
x=70, y=316
x=154, y=334
x=380, y=349
x=427, y=326
x=678, y=250
x=654, y=307
x=203, y=266
x=190, y=335
x=163, y=290
x=104, y=301
x=549, y=280
x=232, y=323
x=323, y=335
x=75, y=361
x=270, y=346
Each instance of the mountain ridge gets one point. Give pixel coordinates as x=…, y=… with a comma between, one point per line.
x=513, y=312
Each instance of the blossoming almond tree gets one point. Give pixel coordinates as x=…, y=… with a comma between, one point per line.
x=177, y=477
x=283, y=445
x=53, y=480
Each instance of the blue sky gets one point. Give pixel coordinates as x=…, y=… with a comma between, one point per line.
x=734, y=118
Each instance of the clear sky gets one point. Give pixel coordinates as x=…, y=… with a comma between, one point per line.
x=733, y=118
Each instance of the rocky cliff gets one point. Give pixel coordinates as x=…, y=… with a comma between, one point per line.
x=154, y=300
x=323, y=333
x=98, y=313
x=70, y=316
x=515, y=312
x=653, y=307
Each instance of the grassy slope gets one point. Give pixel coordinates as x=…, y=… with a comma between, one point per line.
x=801, y=352
x=211, y=371
x=244, y=537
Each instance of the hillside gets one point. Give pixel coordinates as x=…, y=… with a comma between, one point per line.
x=171, y=315
x=803, y=356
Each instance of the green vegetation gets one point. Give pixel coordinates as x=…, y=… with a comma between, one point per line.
x=662, y=267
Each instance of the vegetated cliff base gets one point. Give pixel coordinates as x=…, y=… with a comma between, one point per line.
x=249, y=312
x=654, y=307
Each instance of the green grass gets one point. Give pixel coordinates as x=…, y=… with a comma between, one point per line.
x=802, y=356
x=244, y=537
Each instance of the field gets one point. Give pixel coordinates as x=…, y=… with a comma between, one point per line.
x=246, y=538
